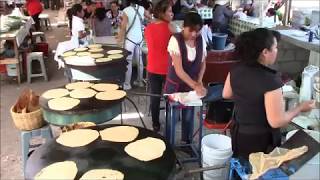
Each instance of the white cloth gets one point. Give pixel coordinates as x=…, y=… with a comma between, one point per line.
x=137, y=55
x=173, y=48
x=61, y=48
x=77, y=26
x=135, y=33
x=187, y=98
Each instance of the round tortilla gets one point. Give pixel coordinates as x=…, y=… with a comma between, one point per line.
x=119, y=134
x=83, y=54
x=114, y=52
x=55, y=93
x=80, y=49
x=79, y=85
x=65, y=170
x=103, y=59
x=96, y=55
x=108, y=174
x=94, y=50
x=70, y=58
x=92, y=46
x=63, y=103
x=115, y=56
x=111, y=95
x=78, y=137
x=105, y=87
x=70, y=53
x=146, y=149
x=82, y=93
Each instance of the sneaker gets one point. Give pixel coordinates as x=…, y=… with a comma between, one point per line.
x=126, y=87
x=138, y=83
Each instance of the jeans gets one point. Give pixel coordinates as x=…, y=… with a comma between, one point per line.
x=156, y=82
x=187, y=123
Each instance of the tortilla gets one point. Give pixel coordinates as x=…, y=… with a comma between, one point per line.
x=115, y=56
x=55, y=93
x=83, y=54
x=97, y=55
x=70, y=53
x=63, y=103
x=107, y=174
x=78, y=137
x=65, y=170
x=82, y=93
x=111, y=95
x=105, y=87
x=103, y=59
x=70, y=58
x=114, y=52
x=92, y=46
x=80, y=49
x=79, y=85
x=119, y=134
x=93, y=50
x=146, y=149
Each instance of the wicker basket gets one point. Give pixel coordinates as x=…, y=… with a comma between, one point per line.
x=27, y=121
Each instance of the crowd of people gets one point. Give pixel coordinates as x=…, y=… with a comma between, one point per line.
x=176, y=63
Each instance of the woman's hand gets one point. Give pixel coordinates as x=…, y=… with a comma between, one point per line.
x=306, y=106
x=200, y=90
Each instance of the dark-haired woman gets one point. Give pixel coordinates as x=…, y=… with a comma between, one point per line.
x=101, y=25
x=158, y=55
x=187, y=51
x=78, y=28
x=256, y=91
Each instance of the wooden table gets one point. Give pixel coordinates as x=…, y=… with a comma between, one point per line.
x=17, y=37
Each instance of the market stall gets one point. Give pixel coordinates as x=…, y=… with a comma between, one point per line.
x=17, y=36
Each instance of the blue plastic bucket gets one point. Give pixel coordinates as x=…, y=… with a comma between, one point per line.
x=219, y=41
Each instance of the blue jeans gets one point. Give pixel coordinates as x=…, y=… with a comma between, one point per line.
x=186, y=115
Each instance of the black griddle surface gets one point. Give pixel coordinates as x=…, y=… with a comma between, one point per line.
x=87, y=105
x=104, y=154
x=115, y=62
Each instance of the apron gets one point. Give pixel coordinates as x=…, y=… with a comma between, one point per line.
x=173, y=82
x=238, y=129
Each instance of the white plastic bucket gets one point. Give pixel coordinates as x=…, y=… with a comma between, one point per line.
x=216, y=150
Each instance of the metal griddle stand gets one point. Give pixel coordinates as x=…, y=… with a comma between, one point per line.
x=170, y=122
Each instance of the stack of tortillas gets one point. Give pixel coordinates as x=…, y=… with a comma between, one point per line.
x=95, y=46
x=115, y=54
x=82, y=93
x=79, y=85
x=111, y=95
x=107, y=174
x=105, y=87
x=63, y=103
x=55, y=93
x=69, y=53
x=78, y=137
x=66, y=170
x=146, y=149
x=119, y=134
x=80, y=49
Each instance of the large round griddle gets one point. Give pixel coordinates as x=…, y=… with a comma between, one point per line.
x=89, y=109
x=104, y=154
x=111, y=71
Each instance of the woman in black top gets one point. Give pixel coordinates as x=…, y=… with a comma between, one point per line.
x=256, y=90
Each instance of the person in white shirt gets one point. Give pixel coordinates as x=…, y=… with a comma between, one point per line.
x=77, y=28
x=131, y=37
